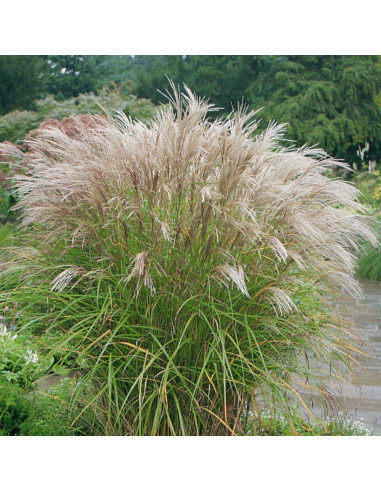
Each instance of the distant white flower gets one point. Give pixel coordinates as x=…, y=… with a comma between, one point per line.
x=31, y=357
x=4, y=333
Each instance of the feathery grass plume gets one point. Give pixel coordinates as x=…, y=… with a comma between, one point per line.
x=214, y=252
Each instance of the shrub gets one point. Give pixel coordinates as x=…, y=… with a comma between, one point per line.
x=188, y=263
x=36, y=413
x=15, y=125
x=25, y=409
x=112, y=99
x=370, y=186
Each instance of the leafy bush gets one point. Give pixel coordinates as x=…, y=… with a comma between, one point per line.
x=36, y=413
x=92, y=103
x=24, y=408
x=18, y=360
x=12, y=409
x=184, y=267
x=370, y=186
x=17, y=356
x=15, y=125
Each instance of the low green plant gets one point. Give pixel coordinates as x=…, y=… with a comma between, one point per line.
x=369, y=262
x=19, y=367
x=25, y=407
x=18, y=357
x=268, y=423
x=369, y=183
x=184, y=268
x=37, y=412
x=13, y=411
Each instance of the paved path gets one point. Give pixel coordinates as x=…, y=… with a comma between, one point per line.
x=362, y=398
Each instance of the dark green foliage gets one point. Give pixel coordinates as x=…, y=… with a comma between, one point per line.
x=224, y=79
x=7, y=201
x=21, y=81
x=7, y=196
x=13, y=411
x=328, y=100
x=36, y=413
x=369, y=264
x=117, y=69
x=70, y=75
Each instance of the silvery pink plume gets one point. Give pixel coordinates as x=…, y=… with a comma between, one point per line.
x=184, y=180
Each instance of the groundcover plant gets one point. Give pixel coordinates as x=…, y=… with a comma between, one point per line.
x=184, y=268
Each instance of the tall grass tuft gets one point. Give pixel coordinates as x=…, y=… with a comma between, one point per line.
x=185, y=267
x=369, y=262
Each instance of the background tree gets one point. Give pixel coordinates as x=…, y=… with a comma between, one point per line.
x=70, y=75
x=21, y=81
x=223, y=79
x=327, y=100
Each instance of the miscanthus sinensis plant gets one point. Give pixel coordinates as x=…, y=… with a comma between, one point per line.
x=190, y=263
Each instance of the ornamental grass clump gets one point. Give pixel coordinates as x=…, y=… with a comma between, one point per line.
x=186, y=267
